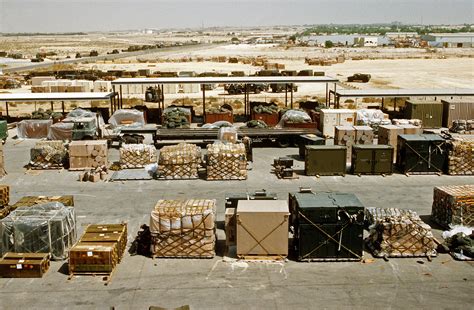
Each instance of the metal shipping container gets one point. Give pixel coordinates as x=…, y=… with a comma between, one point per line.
x=430, y=113
x=372, y=159
x=232, y=199
x=309, y=139
x=325, y=160
x=327, y=226
x=457, y=110
x=425, y=153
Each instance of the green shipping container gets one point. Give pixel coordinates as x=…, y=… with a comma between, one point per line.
x=325, y=160
x=372, y=159
x=429, y=112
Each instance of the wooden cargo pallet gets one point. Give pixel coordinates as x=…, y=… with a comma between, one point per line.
x=173, y=178
x=422, y=173
x=263, y=257
x=31, y=167
x=378, y=254
x=309, y=260
x=106, y=276
x=183, y=257
x=330, y=174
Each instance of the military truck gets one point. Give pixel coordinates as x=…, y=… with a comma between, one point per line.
x=359, y=78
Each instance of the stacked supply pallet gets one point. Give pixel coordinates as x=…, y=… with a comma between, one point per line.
x=42, y=228
x=226, y=161
x=179, y=161
x=29, y=201
x=87, y=155
x=461, y=157
x=137, y=155
x=453, y=205
x=48, y=155
x=399, y=233
x=99, y=250
x=183, y=228
x=4, y=200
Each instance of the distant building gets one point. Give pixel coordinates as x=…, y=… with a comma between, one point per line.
x=401, y=35
x=461, y=39
x=366, y=41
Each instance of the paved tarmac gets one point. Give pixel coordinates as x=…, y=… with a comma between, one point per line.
x=139, y=282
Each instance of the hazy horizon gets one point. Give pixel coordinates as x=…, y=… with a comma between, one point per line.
x=108, y=15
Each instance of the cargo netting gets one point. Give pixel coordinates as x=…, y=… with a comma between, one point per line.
x=180, y=161
x=226, y=161
x=42, y=228
x=453, y=205
x=137, y=155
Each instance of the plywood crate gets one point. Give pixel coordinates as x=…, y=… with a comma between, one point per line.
x=388, y=135
x=89, y=154
x=93, y=257
x=345, y=135
x=364, y=135
x=24, y=265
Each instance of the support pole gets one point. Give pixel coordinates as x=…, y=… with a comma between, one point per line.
x=395, y=104
x=291, y=98
x=6, y=108
x=62, y=106
x=327, y=94
x=52, y=106
x=383, y=102
x=286, y=95
x=121, y=97
x=115, y=101
x=336, y=101
x=203, y=102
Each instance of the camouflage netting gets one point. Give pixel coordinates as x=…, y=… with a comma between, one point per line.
x=267, y=109
x=176, y=118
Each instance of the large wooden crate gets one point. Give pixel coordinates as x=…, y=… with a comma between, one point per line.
x=93, y=257
x=24, y=265
x=217, y=117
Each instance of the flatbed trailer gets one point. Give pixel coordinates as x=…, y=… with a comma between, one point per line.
x=283, y=136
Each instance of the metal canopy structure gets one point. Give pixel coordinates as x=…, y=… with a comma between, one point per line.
x=51, y=97
x=398, y=93
x=288, y=80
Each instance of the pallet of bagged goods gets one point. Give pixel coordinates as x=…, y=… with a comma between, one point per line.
x=453, y=205
x=137, y=155
x=461, y=157
x=183, y=228
x=226, y=161
x=48, y=155
x=180, y=161
x=399, y=233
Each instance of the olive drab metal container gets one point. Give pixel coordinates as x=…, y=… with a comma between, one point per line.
x=327, y=226
x=372, y=159
x=309, y=139
x=325, y=160
x=457, y=110
x=430, y=113
x=425, y=153
x=232, y=199
x=3, y=130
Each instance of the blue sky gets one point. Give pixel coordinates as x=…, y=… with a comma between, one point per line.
x=91, y=15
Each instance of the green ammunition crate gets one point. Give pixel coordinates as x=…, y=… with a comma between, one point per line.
x=310, y=139
x=325, y=160
x=372, y=159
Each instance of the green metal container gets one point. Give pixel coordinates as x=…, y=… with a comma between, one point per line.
x=426, y=153
x=430, y=113
x=325, y=160
x=3, y=130
x=327, y=226
x=311, y=139
x=372, y=159
x=232, y=199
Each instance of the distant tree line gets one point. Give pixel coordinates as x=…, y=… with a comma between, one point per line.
x=32, y=34
x=382, y=29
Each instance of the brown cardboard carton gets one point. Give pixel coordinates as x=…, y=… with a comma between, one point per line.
x=230, y=226
x=262, y=228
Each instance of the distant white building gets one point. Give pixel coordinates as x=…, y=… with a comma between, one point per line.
x=461, y=39
x=401, y=35
x=366, y=41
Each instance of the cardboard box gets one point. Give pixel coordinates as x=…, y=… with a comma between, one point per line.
x=230, y=227
x=88, y=154
x=262, y=228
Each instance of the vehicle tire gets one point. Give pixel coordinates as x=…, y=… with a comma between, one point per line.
x=283, y=142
